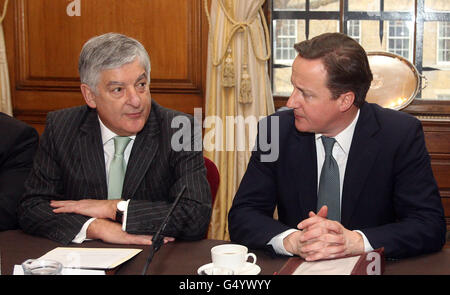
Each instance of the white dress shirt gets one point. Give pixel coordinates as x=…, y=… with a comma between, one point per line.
x=108, y=150
x=340, y=153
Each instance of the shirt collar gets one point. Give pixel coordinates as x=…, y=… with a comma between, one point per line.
x=344, y=138
x=107, y=134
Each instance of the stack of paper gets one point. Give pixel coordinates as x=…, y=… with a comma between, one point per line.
x=87, y=260
x=91, y=258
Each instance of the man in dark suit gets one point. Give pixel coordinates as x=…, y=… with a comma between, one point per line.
x=365, y=169
x=18, y=145
x=107, y=170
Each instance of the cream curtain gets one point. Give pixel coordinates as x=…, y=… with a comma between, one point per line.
x=5, y=93
x=238, y=94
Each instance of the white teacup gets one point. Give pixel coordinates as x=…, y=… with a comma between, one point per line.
x=232, y=256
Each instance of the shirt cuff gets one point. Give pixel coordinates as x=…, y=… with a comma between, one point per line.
x=367, y=246
x=81, y=236
x=277, y=242
x=124, y=219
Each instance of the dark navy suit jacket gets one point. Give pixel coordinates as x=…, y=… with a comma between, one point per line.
x=389, y=192
x=18, y=144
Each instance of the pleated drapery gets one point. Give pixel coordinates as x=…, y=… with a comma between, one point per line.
x=5, y=93
x=238, y=94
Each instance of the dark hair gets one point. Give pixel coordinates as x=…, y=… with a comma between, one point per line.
x=345, y=61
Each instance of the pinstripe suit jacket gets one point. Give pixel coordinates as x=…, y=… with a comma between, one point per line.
x=70, y=165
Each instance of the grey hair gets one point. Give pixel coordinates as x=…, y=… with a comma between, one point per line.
x=109, y=51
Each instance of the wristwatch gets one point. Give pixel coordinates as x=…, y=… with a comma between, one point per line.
x=121, y=207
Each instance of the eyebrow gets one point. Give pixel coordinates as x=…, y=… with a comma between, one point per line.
x=307, y=91
x=142, y=76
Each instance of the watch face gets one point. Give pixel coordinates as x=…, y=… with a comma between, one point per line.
x=121, y=206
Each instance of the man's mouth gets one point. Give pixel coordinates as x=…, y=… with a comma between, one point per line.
x=134, y=115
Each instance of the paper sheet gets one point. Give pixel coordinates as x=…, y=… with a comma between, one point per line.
x=341, y=266
x=91, y=258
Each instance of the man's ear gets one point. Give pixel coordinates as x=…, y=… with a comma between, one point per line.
x=346, y=100
x=89, y=95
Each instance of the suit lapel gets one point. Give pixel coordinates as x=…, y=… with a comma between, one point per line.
x=142, y=154
x=362, y=156
x=92, y=156
x=302, y=167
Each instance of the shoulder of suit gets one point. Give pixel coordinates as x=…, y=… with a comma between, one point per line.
x=284, y=119
x=62, y=122
x=69, y=114
x=164, y=113
x=392, y=119
x=12, y=126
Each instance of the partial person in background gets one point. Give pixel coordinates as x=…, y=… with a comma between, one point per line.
x=107, y=170
x=350, y=177
x=18, y=144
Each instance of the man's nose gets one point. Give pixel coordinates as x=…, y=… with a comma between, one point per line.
x=292, y=102
x=133, y=98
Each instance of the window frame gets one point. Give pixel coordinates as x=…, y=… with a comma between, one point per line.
x=438, y=39
x=426, y=108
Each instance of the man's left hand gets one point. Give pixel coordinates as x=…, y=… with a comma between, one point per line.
x=330, y=239
x=87, y=207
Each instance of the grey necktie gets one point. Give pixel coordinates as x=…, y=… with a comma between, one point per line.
x=329, y=182
x=117, y=168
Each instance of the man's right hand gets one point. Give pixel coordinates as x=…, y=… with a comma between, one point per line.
x=111, y=232
x=293, y=242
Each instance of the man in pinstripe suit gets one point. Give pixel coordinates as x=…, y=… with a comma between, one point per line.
x=66, y=196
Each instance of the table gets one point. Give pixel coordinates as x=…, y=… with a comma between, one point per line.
x=184, y=258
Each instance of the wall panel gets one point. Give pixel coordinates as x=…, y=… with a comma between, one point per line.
x=43, y=44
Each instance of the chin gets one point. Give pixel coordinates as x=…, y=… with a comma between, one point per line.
x=132, y=129
x=302, y=128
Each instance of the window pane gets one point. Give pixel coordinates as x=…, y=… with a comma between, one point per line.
x=286, y=33
x=437, y=5
x=400, y=38
x=289, y=4
x=364, y=5
x=285, y=36
x=354, y=30
x=318, y=27
x=282, y=65
x=396, y=5
x=436, y=60
x=395, y=36
x=282, y=81
x=437, y=85
x=324, y=5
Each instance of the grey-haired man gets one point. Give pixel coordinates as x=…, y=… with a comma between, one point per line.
x=69, y=195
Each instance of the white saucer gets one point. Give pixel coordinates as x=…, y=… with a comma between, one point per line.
x=249, y=269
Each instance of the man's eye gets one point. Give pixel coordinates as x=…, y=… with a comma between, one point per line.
x=307, y=94
x=117, y=90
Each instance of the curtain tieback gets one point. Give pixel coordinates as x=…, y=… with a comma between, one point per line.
x=228, y=70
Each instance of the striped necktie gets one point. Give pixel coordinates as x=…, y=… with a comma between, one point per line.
x=117, y=168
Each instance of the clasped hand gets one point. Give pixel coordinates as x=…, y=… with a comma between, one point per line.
x=103, y=227
x=321, y=238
